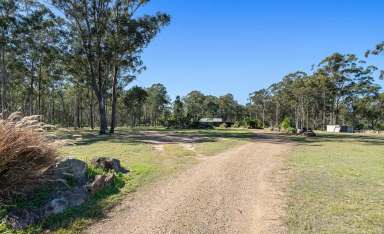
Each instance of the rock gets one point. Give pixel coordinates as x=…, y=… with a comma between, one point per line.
x=15, y=116
x=310, y=134
x=65, y=200
x=71, y=168
x=22, y=218
x=107, y=164
x=100, y=182
x=56, y=206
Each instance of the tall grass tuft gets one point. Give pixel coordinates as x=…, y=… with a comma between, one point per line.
x=24, y=157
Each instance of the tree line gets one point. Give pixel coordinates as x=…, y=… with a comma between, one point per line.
x=341, y=90
x=152, y=107
x=71, y=61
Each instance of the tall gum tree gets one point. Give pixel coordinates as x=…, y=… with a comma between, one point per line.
x=111, y=40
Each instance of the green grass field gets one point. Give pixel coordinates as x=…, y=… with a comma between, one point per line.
x=337, y=185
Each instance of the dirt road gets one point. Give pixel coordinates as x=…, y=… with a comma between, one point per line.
x=238, y=191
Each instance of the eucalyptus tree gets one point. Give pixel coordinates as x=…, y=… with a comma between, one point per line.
x=178, y=111
x=111, y=38
x=8, y=21
x=377, y=50
x=228, y=107
x=371, y=110
x=211, y=106
x=37, y=37
x=260, y=99
x=156, y=103
x=128, y=36
x=193, y=104
x=344, y=73
x=134, y=100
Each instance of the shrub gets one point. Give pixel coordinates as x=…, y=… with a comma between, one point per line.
x=237, y=124
x=286, y=124
x=24, y=157
x=291, y=130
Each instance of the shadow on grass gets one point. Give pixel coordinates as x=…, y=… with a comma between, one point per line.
x=323, y=137
x=175, y=136
x=162, y=136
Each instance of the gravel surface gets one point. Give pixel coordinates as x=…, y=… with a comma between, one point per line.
x=238, y=191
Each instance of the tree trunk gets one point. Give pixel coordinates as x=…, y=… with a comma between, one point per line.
x=103, y=114
x=91, y=111
x=78, y=112
x=114, y=100
x=30, y=93
x=3, y=83
x=39, y=91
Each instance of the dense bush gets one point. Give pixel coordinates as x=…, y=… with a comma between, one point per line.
x=24, y=157
x=248, y=123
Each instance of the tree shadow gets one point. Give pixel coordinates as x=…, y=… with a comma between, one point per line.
x=155, y=137
x=324, y=137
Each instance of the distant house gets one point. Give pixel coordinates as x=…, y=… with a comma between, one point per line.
x=339, y=128
x=211, y=120
x=214, y=122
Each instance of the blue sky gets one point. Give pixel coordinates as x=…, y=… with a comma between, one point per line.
x=228, y=46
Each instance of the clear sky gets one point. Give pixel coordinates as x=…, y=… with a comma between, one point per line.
x=228, y=46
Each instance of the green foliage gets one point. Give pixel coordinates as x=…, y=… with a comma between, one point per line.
x=341, y=89
x=291, y=130
x=286, y=123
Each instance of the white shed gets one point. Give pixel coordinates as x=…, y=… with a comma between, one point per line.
x=339, y=128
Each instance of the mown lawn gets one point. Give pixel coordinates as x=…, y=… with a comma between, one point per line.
x=337, y=185
x=147, y=163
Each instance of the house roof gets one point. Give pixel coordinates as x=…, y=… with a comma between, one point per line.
x=211, y=120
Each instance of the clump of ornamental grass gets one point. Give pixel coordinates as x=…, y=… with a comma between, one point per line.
x=25, y=155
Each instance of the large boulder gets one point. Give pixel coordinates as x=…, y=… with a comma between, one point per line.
x=108, y=164
x=64, y=200
x=70, y=170
x=22, y=218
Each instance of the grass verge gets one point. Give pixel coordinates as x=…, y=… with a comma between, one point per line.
x=338, y=185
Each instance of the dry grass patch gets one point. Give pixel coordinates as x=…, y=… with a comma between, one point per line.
x=24, y=156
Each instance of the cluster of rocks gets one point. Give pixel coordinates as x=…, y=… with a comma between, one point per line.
x=32, y=122
x=306, y=132
x=64, y=196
